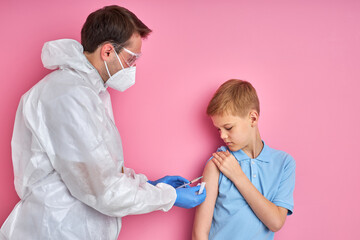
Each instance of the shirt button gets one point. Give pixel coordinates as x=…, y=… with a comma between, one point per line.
x=254, y=175
x=252, y=162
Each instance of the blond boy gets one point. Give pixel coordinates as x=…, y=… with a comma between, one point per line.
x=249, y=185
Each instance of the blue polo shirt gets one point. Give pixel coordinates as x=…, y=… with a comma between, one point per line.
x=273, y=174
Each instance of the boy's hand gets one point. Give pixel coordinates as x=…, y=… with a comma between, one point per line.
x=227, y=164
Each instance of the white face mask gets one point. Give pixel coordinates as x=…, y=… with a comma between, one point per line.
x=122, y=79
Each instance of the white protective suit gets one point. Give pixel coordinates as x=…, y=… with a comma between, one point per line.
x=68, y=158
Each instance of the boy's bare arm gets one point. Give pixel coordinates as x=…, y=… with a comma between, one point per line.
x=271, y=215
x=204, y=212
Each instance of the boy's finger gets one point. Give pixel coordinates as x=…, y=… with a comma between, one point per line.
x=221, y=154
x=216, y=154
x=216, y=162
x=217, y=157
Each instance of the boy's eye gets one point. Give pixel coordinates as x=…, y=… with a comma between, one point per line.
x=228, y=129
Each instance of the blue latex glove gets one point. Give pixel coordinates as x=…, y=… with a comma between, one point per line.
x=174, y=181
x=188, y=197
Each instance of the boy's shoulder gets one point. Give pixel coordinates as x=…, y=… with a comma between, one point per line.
x=274, y=151
x=270, y=154
x=279, y=156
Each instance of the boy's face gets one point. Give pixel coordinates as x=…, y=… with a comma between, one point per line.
x=235, y=131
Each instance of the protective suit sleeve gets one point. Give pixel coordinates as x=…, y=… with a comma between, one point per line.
x=84, y=147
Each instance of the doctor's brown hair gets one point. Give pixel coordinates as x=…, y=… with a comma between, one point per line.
x=236, y=97
x=113, y=24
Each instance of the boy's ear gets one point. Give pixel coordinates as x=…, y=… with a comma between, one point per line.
x=253, y=117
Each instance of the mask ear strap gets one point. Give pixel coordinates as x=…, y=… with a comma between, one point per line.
x=107, y=69
x=119, y=59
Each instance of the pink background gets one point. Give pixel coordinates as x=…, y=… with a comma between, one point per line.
x=301, y=56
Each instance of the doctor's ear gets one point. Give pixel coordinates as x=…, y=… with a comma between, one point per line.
x=105, y=51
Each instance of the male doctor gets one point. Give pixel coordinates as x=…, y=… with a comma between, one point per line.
x=67, y=152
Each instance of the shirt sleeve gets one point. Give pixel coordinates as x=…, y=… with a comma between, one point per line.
x=284, y=197
x=85, y=148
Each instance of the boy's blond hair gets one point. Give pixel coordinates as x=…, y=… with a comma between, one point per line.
x=236, y=97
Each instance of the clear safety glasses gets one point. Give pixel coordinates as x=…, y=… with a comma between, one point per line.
x=131, y=60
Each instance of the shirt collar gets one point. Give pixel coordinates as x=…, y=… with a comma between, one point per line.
x=263, y=156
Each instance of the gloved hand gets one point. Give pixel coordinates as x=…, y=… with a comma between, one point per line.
x=188, y=197
x=174, y=181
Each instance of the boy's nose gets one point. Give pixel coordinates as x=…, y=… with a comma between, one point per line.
x=223, y=135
